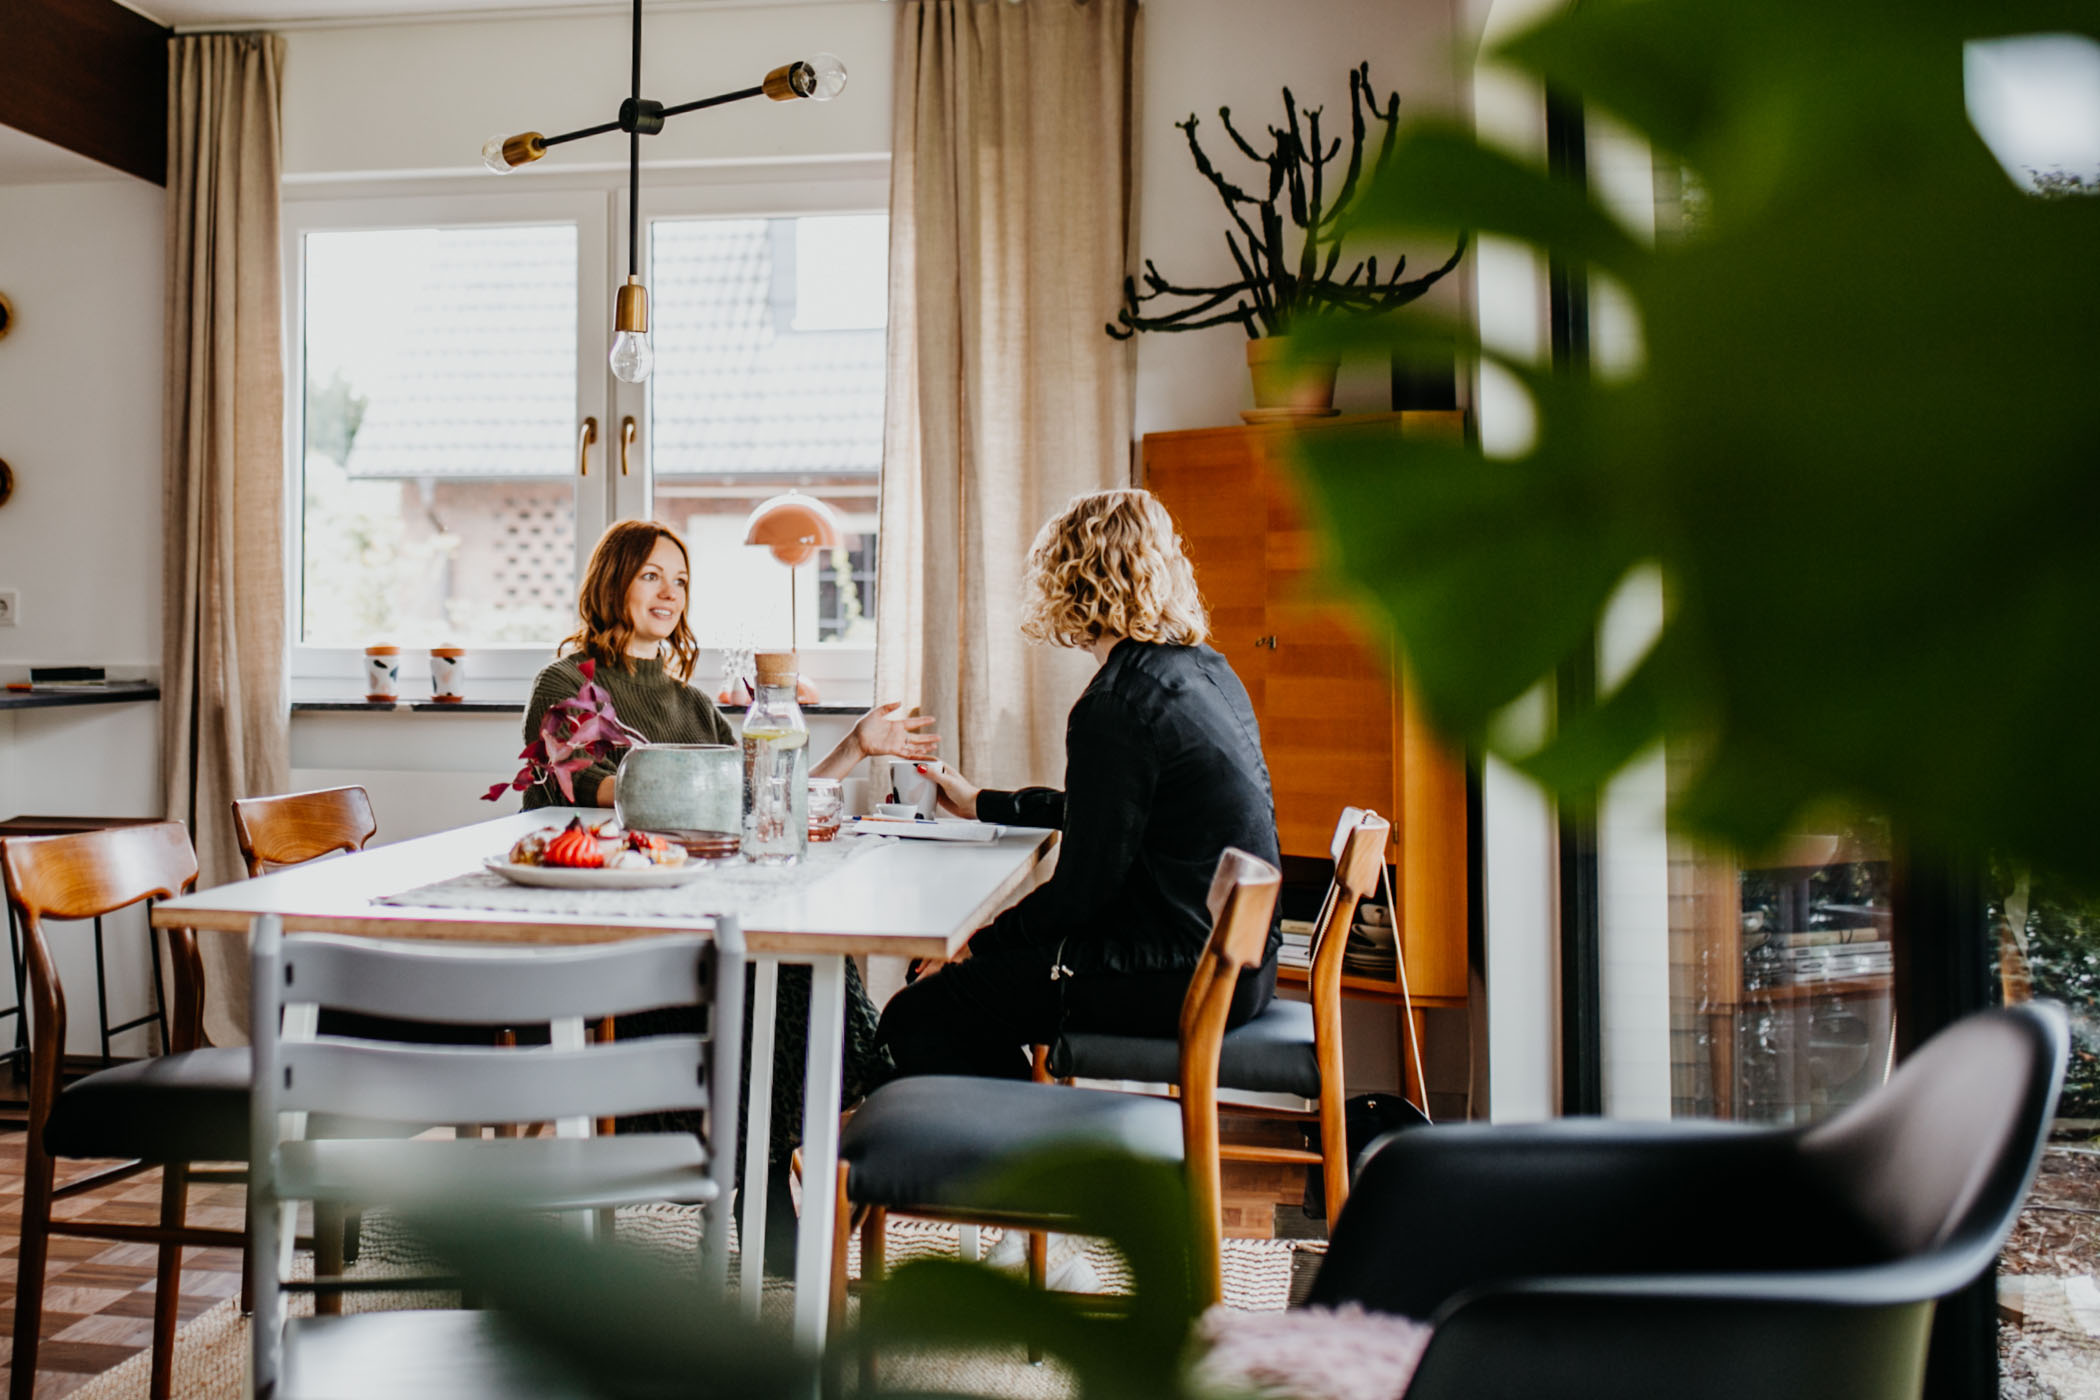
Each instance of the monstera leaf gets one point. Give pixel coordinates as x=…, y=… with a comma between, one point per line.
x=1859, y=446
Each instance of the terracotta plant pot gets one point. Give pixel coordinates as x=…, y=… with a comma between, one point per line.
x=1287, y=389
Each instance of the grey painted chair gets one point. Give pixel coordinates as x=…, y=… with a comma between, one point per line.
x=458, y=1354
x=1584, y=1259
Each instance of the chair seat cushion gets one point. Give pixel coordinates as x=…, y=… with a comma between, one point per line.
x=1271, y=1054
x=927, y=1140
x=191, y=1107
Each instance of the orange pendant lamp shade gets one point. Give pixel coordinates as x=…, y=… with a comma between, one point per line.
x=794, y=527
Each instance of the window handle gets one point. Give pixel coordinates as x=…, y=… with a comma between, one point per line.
x=585, y=436
x=627, y=436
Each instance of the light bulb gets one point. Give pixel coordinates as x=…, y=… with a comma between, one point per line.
x=826, y=79
x=631, y=358
x=504, y=154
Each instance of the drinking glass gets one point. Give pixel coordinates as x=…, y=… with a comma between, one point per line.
x=826, y=804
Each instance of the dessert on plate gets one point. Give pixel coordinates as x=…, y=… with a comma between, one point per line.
x=601, y=847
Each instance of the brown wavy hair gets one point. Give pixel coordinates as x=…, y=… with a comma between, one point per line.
x=601, y=603
x=1111, y=564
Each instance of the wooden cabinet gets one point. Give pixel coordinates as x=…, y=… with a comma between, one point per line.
x=1336, y=727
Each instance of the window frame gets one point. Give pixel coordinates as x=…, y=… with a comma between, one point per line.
x=329, y=672
x=593, y=197
x=844, y=674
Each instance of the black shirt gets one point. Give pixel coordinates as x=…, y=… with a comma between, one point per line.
x=1163, y=771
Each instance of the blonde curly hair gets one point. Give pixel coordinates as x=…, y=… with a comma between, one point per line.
x=1111, y=564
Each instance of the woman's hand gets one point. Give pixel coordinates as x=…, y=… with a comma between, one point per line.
x=877, y=733
x=958, y=794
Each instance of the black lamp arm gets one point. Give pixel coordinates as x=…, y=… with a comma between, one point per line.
x=648, y=122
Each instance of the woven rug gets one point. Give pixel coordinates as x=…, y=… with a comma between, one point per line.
x=211, y=1350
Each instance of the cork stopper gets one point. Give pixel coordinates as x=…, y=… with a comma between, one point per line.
x=775, y=667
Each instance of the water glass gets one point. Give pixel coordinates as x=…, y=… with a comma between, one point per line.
x=826, y=805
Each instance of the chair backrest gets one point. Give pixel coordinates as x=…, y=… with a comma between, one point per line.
x=1359, y=851
x=1242, y=910
x=296, y=827
x=518, y=986
x=1937, y=1161
x=84, y=876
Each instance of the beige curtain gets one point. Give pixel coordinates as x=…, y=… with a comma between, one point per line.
x=1010, y=232
x=223, y=717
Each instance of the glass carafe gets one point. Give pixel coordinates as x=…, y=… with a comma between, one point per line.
x=776, y=766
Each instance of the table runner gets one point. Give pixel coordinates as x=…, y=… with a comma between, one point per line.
x=727, y=887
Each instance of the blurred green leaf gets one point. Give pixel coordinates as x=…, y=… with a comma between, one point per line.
x=619, y=1321
x=1860, y=447
x=1131, y=1350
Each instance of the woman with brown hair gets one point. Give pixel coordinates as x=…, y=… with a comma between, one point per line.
x=632, y=609
x=1163, y=771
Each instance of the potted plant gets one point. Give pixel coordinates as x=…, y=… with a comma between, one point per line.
x=1280, y=287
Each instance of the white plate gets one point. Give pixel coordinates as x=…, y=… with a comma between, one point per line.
x=562, y=877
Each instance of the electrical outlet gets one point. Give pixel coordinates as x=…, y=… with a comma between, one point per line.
x=10, y=607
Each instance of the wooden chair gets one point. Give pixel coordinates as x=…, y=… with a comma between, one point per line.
x=919, y=1146
x=170, y=1111
x=1292, y=1047
x=297, y=827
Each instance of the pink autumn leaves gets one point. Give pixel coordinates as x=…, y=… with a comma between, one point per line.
x=576, y=733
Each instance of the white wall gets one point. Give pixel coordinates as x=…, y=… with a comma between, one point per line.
x=396, y=99
x=80, y=397
x=1203, y=54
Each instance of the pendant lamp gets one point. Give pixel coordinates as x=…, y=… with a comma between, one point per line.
x=818, y=79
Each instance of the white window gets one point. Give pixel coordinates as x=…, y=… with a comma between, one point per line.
x=451, y=350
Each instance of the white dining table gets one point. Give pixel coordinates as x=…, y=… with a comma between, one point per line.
x=906, y=898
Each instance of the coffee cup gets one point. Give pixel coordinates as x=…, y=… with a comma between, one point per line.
x=916, y=788
x=901, y=811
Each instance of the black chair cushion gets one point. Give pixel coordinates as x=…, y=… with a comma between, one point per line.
x=191, y=1107
x=927, y=1140
x=1271, y=1054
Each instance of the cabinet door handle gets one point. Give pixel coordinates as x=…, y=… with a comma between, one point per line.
x=627, y=434
x=1269, y=642
x=585, y=436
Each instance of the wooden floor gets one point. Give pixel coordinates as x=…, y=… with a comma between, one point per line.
x=98, y=1298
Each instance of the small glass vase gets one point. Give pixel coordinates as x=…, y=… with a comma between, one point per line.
x=680, y=787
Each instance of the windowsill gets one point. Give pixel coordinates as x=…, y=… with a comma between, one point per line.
x=492, y=707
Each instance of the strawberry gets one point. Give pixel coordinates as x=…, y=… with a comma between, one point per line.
x=576, y=849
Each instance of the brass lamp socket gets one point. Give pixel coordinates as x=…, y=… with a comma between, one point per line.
x=523, y=149
x=782, y=83
x=631, y=310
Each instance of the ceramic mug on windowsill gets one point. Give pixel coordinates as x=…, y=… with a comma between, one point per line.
x=382, y=674
x=448, y=674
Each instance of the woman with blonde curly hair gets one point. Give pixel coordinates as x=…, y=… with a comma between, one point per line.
x=1163, y=771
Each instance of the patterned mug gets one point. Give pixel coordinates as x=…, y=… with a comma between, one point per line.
x=382, y=674
x=448, y=674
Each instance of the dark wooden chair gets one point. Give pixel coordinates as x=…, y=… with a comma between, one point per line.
x=158, y=1017
x=920, y=1146
x=170, y=1111
x=297, y=827
x=1292, y=1047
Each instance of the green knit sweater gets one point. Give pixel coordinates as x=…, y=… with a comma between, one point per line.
x=648, y=700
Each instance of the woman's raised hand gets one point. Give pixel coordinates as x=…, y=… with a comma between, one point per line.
x=877, y=733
